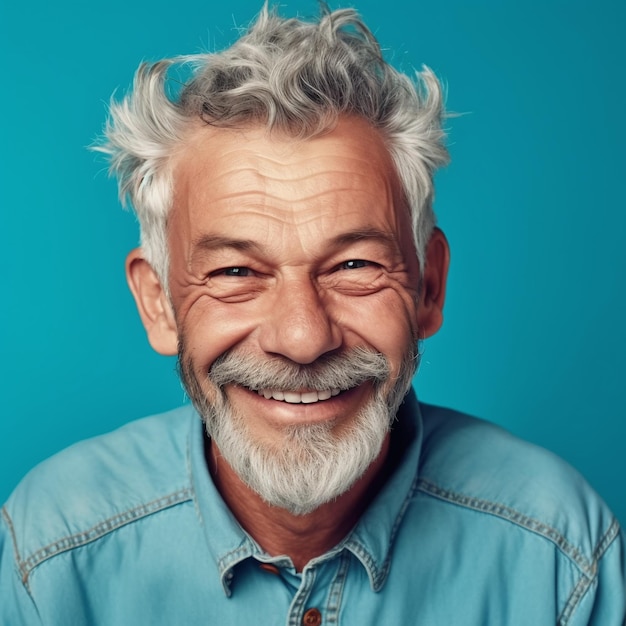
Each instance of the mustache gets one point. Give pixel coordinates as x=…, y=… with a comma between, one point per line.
x=343, y=370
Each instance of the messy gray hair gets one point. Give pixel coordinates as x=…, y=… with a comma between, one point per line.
x=288, y=75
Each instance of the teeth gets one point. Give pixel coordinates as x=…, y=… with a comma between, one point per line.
x=293, y=397
x=296, y=397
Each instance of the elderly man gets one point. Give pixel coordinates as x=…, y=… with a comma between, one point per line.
x=289, y=256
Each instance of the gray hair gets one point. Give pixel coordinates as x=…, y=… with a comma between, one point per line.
x=288, y=75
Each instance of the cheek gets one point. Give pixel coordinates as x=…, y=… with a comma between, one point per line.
x=210, y=328
x=385, y=321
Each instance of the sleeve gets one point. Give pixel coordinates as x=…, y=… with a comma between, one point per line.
x=603, y=602
x=16, y=604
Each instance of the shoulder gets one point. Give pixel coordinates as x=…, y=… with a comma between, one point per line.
x=479, y=466
x=100, y=484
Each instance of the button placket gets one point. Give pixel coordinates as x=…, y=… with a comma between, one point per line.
x=299, y=601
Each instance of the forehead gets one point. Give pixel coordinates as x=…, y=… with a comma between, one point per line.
x=225, y=176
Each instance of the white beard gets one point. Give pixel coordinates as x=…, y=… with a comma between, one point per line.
x=312, y=464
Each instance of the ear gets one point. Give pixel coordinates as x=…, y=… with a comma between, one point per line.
x=433, y=289
x=153, y=304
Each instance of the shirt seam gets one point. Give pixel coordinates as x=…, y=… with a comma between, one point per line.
x=192, y=478
x=514, y=516
x=105, y=527
x=16, y=552
x=586, y=580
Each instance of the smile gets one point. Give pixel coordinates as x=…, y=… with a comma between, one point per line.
x=298, y=397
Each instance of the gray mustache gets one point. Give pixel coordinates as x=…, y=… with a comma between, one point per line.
x=337, y=371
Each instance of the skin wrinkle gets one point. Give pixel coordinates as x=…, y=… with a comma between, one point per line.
x=212, y=248
x=261, y=199
x=395, y=271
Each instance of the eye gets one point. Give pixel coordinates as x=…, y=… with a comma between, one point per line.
x=354, y=264
x=234, y=271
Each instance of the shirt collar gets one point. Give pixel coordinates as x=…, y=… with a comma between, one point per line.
x=228, y=543
x=371, y=539
x=373, y=536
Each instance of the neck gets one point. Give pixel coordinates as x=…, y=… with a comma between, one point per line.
x=279, y=532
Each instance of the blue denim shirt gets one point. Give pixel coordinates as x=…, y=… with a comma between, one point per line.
x=473, y=527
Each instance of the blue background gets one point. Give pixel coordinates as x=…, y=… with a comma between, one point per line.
x=533, y=205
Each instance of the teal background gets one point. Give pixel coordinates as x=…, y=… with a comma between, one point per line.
x=533, y=205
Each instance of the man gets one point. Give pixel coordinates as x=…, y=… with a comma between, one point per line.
x=289, y=256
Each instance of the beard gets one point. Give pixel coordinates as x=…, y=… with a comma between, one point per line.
x=313, y=463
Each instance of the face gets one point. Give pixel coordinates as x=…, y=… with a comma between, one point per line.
x=286, y=255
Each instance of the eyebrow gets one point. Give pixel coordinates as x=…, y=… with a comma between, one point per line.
x=364, y=234
x=211, y=243
x=216, y=242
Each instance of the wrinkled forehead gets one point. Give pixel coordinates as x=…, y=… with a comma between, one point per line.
x=293, y=199
x=352, y=153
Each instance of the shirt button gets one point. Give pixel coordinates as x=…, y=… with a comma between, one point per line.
x=312, y=618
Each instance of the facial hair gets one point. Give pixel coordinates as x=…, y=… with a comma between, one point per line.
x=312, y=464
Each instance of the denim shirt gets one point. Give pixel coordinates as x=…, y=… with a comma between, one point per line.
x=472, y=527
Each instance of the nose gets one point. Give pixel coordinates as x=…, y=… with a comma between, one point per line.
x=299, y=326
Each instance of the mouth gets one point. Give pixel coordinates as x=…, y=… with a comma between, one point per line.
x=298, y=397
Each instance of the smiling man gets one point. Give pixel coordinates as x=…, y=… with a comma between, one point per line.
x=289, y=257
